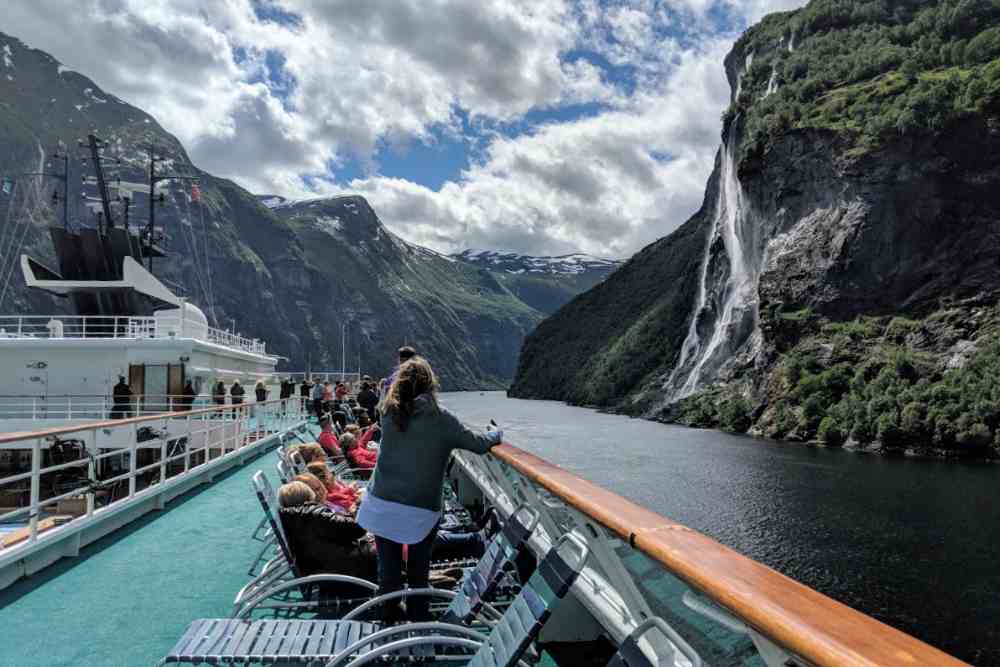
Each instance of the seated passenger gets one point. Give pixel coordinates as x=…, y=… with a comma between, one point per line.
x=359, y=457
x=328, y=440
x=368, y=435
x=321, y=540
x=310, y=452
x=342, y=496
x=316, y=486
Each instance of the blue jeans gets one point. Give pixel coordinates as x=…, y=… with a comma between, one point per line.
x=418, y=570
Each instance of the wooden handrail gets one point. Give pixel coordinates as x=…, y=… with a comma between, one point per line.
x=796, y=617
x=6, y=438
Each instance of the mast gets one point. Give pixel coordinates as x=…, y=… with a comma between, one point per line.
x=102, y=184
x=155, y=178
x=64, y=179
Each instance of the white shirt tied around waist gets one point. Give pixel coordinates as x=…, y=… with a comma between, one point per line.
x=403, y=524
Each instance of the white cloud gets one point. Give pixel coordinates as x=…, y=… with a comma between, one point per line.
x=603, y=185
x=367, y=74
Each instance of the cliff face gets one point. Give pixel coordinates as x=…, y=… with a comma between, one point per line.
x=844, y=187
x=289, y=273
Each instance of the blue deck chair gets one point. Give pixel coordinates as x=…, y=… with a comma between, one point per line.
x=508, y=639
x=630, y=653
x=244, y=640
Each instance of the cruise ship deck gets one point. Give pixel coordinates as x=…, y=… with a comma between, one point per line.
x=126, y=598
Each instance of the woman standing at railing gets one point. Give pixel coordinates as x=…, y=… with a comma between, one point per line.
x=403, y=503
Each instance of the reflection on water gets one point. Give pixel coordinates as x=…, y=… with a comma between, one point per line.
x=913, y=543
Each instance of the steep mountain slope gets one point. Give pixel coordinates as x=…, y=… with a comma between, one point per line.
x=859, y=175
x=290, y=274
x=544, y=283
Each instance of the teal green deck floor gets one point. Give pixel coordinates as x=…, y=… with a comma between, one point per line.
x=126, y=599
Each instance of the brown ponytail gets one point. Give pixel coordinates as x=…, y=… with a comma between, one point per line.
x=415, y=377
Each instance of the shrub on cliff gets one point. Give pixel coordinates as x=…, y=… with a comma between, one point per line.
x=830, y=433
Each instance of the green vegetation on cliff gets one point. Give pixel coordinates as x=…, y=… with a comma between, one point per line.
x=871, y=70
x=891, y=382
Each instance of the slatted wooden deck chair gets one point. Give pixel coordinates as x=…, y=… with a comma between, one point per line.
x=662, y=642
x=508, y=639
x=241, y=639
x=311, y=642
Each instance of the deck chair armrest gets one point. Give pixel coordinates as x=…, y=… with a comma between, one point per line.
x=257, y=598
x=392, y=647
x=405, y=593
x=268, y=577
x=444, y=629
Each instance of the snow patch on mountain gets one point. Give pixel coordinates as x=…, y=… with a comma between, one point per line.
x=514, y=263
x=8, y=61
x=330, y=225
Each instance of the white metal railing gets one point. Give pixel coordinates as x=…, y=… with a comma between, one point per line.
x=719, y=603
x=98, y=406
x=322, y=376
x=67, y=466
x=99, y=326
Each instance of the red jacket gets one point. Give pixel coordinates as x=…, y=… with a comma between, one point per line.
x=343, y=496
x=362, y=458
x=341, y=392
x=328, y=441
x=367, y=436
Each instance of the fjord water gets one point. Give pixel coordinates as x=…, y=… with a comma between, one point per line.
x=913, y=543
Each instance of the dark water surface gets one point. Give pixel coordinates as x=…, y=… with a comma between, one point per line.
x=914, y=543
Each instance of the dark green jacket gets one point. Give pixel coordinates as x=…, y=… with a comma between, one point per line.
x=410, y=468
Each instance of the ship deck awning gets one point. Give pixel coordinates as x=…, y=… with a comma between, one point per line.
x=134, y=279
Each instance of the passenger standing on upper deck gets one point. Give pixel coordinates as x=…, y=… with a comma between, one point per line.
x=260, y=391
x=188, y=396
x=341, y=392
x=236, y=395
x=403, y=503
x=327, y=396
x=121, y=400
x=368, y=399
x=305, y=390
x=219, y=393
x=317, y=400
x=404, y=353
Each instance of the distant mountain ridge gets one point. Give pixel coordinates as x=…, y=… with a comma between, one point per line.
x=544, y=283
x=290, y=272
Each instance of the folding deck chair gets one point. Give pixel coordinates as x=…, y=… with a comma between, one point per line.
x=479, y=584
x=282, y=566
x=630, y=653
x=310, y=642
x=508, y=639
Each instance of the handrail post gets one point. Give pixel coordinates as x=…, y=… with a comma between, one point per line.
x=36, y=487
x=91, y=475
x=187, y=446
x=163, y=451
x=133, y=453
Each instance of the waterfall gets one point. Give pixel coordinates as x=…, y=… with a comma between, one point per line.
x=725, y=313
x=772, y=83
